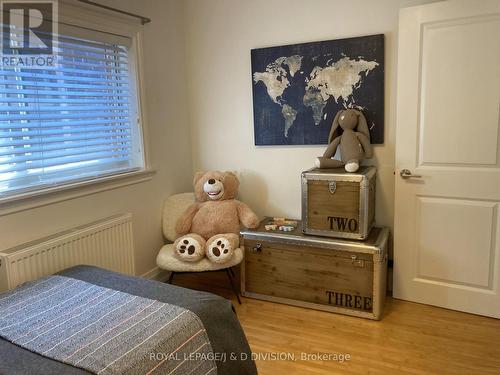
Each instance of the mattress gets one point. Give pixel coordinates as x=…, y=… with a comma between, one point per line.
x=233, y=355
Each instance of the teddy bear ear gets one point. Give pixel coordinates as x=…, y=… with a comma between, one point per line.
x=197, y=176
x=231, y=184
x=233, y=175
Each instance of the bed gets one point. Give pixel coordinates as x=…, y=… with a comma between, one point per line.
x=216, y=314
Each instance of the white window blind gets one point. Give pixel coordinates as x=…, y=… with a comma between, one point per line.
x=75, y=121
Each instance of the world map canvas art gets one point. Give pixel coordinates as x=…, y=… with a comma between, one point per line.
x=298, y=89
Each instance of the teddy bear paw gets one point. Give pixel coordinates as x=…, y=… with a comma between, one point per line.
x=219, y=250
x=189, y=249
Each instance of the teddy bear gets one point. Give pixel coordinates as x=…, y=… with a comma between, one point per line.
x=212, y=224
x=354, y=144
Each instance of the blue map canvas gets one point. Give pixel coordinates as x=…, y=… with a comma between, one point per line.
x=298, y=89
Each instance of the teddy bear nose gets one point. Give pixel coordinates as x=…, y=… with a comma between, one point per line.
x=211, y=181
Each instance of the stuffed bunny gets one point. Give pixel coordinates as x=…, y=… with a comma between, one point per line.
x=354, y=145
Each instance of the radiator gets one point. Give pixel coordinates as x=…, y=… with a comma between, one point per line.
x=107, y=243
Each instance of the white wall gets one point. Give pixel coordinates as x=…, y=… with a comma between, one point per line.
x=169, y=147
x=219, y=37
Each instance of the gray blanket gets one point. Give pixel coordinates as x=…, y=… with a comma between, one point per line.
x=222, y=326
x=104, y=331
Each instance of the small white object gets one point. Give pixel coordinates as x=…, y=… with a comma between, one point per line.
x=352, y=167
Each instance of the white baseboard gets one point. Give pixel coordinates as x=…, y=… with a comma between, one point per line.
x=156, y=274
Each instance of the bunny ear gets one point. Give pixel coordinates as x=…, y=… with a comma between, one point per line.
x=362, y=126
x=335, y=126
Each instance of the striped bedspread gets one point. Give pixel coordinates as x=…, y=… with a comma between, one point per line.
x=104, y=331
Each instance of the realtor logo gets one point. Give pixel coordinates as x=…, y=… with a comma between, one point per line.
x=29, y=29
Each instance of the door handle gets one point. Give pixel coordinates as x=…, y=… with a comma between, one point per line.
x=406, y=173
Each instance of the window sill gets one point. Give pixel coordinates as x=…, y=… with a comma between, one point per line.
x=57, y=194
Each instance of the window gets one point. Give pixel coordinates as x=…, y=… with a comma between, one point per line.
x=73, y=122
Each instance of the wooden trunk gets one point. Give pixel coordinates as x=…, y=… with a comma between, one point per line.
x=338, y=204
x=335, y=275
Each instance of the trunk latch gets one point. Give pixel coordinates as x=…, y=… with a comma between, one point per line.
x=332, y=186
x=357, y=262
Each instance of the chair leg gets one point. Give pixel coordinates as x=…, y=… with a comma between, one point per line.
x=235, y=291
x=171, y=277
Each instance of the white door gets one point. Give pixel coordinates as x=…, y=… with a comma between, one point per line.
x=447, y=217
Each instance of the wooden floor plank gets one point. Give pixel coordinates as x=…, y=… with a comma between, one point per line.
x=411, y=338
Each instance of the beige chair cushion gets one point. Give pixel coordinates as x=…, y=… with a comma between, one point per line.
x=173, y=208
x=167, y=260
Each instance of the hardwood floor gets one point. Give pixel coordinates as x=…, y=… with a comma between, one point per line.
x=410, y=339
